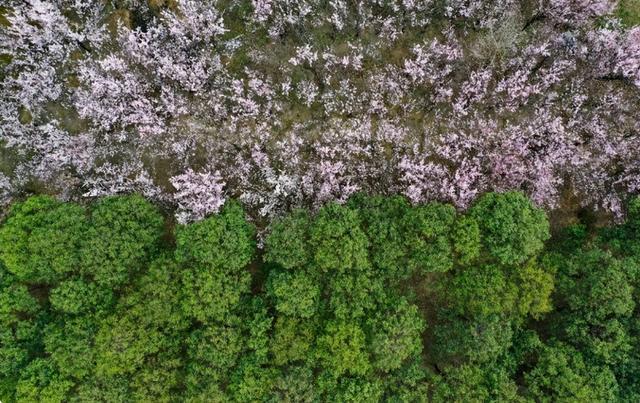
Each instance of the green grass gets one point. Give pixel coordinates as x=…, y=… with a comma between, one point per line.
x=629, y=12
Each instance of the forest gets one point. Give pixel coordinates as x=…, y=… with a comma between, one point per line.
x=320, y=201
x=371, y=300
x=285, y=104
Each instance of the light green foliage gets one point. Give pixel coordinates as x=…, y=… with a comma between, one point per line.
x=223, y=241
x=396, y=335
x=355, y=295
x=561, y=374
x=41, y=382
x=535, y=285
x=40, y=240
x=493, y=289
x=292, y=340
x=288, y=241
x=80, y=296
x=384, y=221
x=295, y=294
x=252, y=382
x=361, y=390
x=215, y=252
x=428, y=229
x=142, y=339
x=511, y=228
x=466, y=240
x=125, y=231
x=338, y=240
x=482, y=290
x=342, y=349
x=210, y=293
x=375, y=300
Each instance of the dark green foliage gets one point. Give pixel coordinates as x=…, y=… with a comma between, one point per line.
x=295, y=294
x=41, y=238
x=383, y=219
x=69, y=345
x=595, y=298
x=371, y=301
x=427, y=235
x=561, y=374
x=511, y=228
x=125, y=232
x=396, y=335
x=478, y=340
x=214, y=253
x=224, y=241
x=288, y=241
x=337, y=239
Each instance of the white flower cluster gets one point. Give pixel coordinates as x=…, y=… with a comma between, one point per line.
x=289, y=103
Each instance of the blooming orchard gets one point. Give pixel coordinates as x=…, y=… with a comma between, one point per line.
x=287, y=103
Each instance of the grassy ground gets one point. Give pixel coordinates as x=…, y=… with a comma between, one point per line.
x=629, y=12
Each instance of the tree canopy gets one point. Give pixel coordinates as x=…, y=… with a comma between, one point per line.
x=375, y=299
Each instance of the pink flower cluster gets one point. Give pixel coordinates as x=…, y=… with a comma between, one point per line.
x=295, y=103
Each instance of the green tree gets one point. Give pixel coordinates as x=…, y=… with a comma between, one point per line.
x=512, y=229
x=478, y=340
x=461, y=384
x=595, y=294
x=357, y=389
x=295, y=294
x=292, y=340
x=466, y=240
x=123, y=236
x=40, y=381
x=354, y=295
x=337, y=239
x=78, y=296
x=288, y=241
x=342, y=349
x=384, y=221
x=69, y=345
x=22, y=320
x=295, y=384
x=213, y=352
x=428, y=229
x=214, y=253
x=40, y=240
x=251, y=381
x=223, y=241
x=560, y=374
x=142, y=339
x=396, y=335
